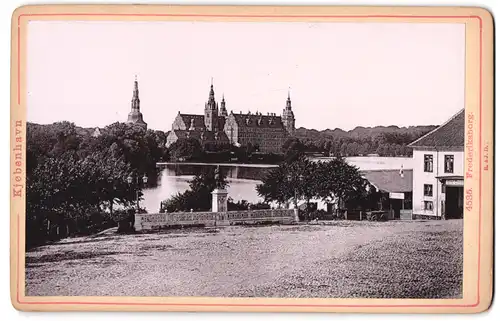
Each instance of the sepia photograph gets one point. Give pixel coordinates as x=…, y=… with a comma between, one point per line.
x=245, y=159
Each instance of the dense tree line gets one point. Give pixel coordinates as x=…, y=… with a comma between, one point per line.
x=335, y=182
x=190, y=150
x=384, y=141
x=73, y=177
x=388, y=144
x=384, y=144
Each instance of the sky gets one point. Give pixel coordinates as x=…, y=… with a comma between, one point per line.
x=340, y=75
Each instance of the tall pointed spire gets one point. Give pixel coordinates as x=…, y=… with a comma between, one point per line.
x=211, y=95
x=135, y=115
x=288, y=101
x=288, y=116
x=211, y=110
x=223, y=110
x=135, y=96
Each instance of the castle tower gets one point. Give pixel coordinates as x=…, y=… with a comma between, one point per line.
x=288, y=116
x=135, y=115
x=223, y=110
x=211, y=111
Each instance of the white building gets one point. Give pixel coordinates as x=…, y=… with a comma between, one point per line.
x=438, y=171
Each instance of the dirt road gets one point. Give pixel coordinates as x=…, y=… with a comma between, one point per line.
x=348, y=259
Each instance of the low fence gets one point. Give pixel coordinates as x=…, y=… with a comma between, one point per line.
x=159, y=220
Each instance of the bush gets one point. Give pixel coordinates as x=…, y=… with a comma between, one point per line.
x=244, y=205
x=126, y=219
x=319, y=215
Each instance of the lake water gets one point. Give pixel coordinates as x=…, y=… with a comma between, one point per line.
x=243, y=178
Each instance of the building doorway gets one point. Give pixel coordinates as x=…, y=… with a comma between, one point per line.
x=396, y=206
x=454, y=204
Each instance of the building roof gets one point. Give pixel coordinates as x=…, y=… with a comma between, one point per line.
x=199, y=120
x=258, y=120
x=449, y=134
x=390, y=180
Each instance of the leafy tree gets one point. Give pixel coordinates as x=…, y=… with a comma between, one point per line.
x=302, y=175
x=244, y=205
x=277, y=186
x=343, y=149
x=293, y=148
x=302, y=179
x=186, y=148
x=291, y=181
x=72, y=175
x=337, y=180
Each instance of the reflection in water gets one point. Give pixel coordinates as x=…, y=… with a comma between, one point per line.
x=242, y=178
x=175, y=179
x=236, y=172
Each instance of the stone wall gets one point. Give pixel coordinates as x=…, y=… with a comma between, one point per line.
x=158, y=220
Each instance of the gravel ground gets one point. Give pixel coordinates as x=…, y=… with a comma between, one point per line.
x=397, y=259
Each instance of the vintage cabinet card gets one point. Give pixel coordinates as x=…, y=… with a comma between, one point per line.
x=225, y=158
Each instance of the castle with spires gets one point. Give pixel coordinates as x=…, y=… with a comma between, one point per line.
x=218, y=127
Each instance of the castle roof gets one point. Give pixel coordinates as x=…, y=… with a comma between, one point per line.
x=449, y=134
x=258, y=120
x=199, y=120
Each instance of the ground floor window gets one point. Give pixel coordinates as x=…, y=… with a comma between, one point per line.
x=428, y=205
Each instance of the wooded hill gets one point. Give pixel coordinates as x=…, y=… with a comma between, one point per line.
x=381, y=140
x=360, y=132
